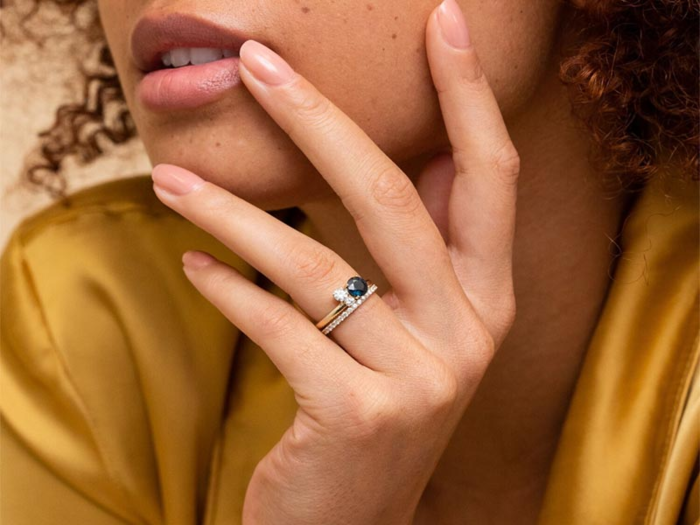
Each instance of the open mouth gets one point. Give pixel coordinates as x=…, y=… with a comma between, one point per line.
x=187, y=78
x=185, y=61
x=193, y=56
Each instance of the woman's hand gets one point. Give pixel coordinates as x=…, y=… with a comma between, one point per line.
x=380, y=397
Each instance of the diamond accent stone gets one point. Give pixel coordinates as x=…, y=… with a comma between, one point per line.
x=340, y=294
x=356, y=302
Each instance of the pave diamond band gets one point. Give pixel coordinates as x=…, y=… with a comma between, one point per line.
x=356, y=291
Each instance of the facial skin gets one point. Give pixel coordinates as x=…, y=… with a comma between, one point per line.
x=367, y=57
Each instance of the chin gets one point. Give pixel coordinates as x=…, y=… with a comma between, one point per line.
x=236, y=145
x=262, y=166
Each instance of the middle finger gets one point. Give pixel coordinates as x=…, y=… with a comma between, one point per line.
x=298, y=264
x=390, y=215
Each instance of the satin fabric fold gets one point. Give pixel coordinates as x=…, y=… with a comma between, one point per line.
x=622, y=458
x=126, y=397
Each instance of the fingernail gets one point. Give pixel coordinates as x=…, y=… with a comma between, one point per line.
x=453, y=25
x=175, y=180
x=194, y=260
x=265, y=64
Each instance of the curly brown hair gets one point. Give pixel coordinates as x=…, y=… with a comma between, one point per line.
x=80, y=130
x=633, y=81
x=632, y=76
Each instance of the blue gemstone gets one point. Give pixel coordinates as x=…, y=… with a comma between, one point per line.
x=357, y=286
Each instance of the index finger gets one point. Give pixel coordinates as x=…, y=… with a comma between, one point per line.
x=390, y=216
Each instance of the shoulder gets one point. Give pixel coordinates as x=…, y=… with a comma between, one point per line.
x=115, y=197
x=106, y=261
x=120, y=225
x=101, y=331
x=91, y=216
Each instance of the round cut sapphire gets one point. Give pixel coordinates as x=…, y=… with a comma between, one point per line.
x=357, y=286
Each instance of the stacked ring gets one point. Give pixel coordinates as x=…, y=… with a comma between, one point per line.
x=356, y=291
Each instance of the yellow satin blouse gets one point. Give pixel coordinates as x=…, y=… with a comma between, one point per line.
x=127, y=398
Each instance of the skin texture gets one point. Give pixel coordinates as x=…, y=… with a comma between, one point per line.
x=382, y=46
x=502, y=447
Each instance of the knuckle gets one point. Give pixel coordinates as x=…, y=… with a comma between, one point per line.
x=312, y=264
x=219, y=204
x=473, y=72
x=369, y=416
x=215, y=279
x=470, y=77
x=479, y=351
x=508, y=311
x=463, y=158
x=484, y=350
x=440, y=391
x=506, y=162
x=276, y=321
x=313, y=108
x=393, y=190
x=504, y=316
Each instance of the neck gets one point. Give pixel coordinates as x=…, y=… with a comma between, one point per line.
x=506, y=439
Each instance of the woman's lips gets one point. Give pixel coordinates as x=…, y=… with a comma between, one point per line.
x=160, y=38
x=190, y=86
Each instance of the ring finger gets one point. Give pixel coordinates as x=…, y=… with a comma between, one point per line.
x=298, y=264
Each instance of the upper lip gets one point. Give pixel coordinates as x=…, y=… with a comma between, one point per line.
x=153, y=35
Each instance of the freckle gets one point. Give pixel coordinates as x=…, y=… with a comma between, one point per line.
x=396, y=18
x=305, y=9
x=393, y=36
x=218, y=144
x=370, y=7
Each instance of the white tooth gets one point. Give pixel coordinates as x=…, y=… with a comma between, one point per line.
x=228, y=53
x=180, y=57
x=202, y=55
x=167, y=59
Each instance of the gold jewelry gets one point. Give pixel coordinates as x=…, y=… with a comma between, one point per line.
x=356, y=291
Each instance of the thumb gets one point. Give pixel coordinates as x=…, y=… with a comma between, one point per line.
x=434, y=185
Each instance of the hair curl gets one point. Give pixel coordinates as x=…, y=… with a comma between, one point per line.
x=632, y=77
x=633, y=81
x=80, y=130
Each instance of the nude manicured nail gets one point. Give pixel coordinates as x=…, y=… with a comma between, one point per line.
x=175, y=180
x=265, y=64
x=453, y=25
x=194, y=260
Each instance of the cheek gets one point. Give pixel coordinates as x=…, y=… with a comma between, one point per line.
x=372, y=62
x=369, y=62
x=369, y=59
x=515, y=40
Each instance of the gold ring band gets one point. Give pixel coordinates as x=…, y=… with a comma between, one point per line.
x=357, y=290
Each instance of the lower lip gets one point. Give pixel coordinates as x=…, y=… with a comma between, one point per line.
x=188, y=87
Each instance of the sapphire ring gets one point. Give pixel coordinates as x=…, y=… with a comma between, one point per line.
x=356, y=291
